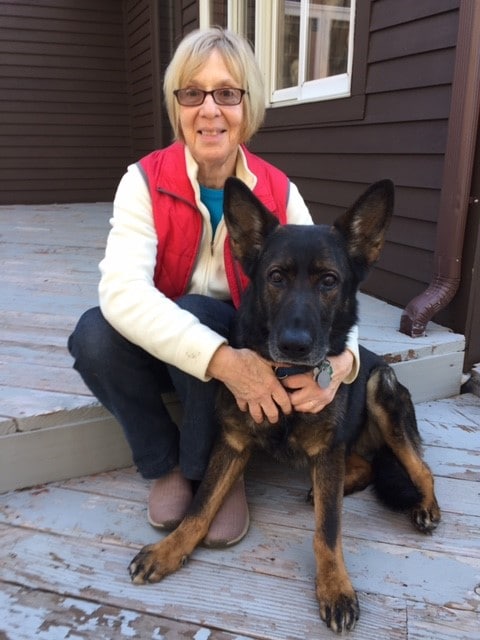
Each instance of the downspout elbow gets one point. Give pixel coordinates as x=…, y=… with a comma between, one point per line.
x=421, y=309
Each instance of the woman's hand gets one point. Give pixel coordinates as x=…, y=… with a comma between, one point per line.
x=252, y=381
x=307, y=396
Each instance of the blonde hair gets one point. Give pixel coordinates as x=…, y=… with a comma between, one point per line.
x=237, y=54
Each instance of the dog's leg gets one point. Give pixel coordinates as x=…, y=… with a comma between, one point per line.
x=335, y=594
x=390, y=405
x=156, y=561
x=358, y=474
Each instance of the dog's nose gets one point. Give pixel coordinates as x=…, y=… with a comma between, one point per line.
x=295, y=343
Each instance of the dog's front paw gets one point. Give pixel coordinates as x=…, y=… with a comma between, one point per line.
x=426, y=517
x=341, y=612
x=152, y=564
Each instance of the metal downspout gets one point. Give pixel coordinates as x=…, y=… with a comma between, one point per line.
x=457, y=176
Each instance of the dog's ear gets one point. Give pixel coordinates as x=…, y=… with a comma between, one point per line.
x=248, y=222
x=365, y=224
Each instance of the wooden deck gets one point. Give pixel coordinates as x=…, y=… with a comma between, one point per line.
x=67, y=544
x=66, y=547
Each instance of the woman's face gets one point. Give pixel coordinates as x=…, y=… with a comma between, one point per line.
x=213, y=132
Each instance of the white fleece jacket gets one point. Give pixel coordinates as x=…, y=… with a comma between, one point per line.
x=140, y=312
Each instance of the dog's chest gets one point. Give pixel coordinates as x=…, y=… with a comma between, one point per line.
x=295, y=438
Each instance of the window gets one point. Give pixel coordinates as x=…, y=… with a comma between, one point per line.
x=304, y=47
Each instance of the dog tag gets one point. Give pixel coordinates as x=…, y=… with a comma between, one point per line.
x=323, y=374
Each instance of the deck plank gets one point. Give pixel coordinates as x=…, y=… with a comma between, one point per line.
x=364, y=518
x=238, y=602
x=47, y=616
x=45, y=377
x=273, y=546
x=441, y=623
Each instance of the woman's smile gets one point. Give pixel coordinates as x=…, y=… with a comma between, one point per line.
x=213, y=132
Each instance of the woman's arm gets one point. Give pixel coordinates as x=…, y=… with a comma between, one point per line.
x=128, y=298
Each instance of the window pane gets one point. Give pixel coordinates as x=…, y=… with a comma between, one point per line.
x=218, y=13
x=338, y=53
x=288, y=44
x=241, y=16
x=250, y=21
x=312, y=40
x=327, y=38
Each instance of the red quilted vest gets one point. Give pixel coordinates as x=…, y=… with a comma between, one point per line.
x=178, y=222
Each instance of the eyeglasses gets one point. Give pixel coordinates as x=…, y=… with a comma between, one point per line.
x=195, y=97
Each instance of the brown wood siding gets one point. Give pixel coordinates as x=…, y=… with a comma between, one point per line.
x=164, y=16
x=149, y=34
x=138, y=47
x=63, y=101
x=401, y=135
x=188, y=17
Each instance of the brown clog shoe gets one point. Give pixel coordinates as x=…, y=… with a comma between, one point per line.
x=170, y=497
x=231, y=523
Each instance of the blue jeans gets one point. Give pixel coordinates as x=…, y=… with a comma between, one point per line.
x=129, y=382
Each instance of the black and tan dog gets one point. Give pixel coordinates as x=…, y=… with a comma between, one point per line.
x=298, y=309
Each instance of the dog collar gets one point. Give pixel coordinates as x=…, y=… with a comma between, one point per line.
x=322, y=374
x=293, y=370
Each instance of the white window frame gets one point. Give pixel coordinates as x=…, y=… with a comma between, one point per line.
x=266, y=47
x=235, y=13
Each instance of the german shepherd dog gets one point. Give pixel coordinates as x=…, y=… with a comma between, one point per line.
x=298, y=309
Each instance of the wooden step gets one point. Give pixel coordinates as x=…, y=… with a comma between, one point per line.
x=51, y=428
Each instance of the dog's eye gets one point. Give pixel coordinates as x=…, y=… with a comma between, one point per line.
x=276, y=276
x=328, y=280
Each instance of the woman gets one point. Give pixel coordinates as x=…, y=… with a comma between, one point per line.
x=167, y=284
